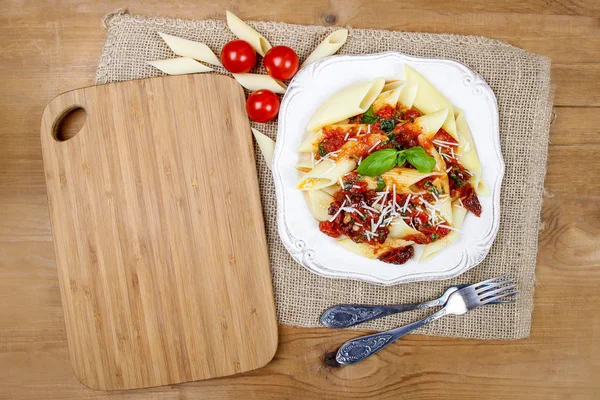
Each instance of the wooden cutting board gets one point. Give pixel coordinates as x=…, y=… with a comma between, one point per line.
x=158, y=233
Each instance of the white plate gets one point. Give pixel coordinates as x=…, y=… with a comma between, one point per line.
x=298, y=229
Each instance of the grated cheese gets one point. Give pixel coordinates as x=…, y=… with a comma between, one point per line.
x=406, y=203
x=337, y=212
x=375, y=145
x=436, y=141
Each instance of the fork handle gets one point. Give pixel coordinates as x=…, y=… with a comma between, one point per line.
x=359, y=349
x=346, y=315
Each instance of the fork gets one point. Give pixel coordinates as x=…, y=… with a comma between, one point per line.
x=347, y=315
x=459, y=302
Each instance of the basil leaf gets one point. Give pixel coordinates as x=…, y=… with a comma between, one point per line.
x=378, y=162
x=369, y=116
x=419, y=158
x=401, y=158
x=387, y=124
x=322, y=151
x=459, y=182
x=380, y=184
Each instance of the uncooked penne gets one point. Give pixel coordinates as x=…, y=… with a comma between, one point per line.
x=266, y=146
x=245, y=32
x=258, y=81
x=328, y=46
x=347, y=103
x=188, y=48
x=180, y=66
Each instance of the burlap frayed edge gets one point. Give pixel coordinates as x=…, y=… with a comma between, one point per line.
x=121, y=15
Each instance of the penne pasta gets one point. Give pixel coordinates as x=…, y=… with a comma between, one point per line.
x=306, y=164
x=318, y=203
x=400, y=230
x=328, y=46
x=408, y=95
x=188, y=48
x=245, y=32
x=389, y=98
x=308, y=145
x=365, y=250
x=402, y=178
x=446, y=210
x=391, y=85
x=266, y=146
x=408, y=92
x=331, y=189
x=325, y=174
x=254, y=82
x=429, y=99
x=467, y=153
x=347, y=103
x=431, y=123
x=180, y=66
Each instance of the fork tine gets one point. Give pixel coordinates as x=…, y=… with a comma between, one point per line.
x=485, y=295
x=496, y=298
x=489, y=280
x=493, y=285
x=503, y=301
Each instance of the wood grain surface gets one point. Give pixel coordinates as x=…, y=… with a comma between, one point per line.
x=49, y=47
x=152, y=206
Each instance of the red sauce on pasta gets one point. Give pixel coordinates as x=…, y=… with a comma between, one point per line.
x=398, y=256
x=355, y=210
x=417, y=218
x=386, y=112
x=333, y=139
x=406, y=135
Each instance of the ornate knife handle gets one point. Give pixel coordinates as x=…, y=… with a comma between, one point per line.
x=346, y=315
x=359, y=349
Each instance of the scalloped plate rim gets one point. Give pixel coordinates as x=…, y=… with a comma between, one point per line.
x=306, y=257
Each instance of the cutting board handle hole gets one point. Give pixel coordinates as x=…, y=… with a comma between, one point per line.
x=69, y=124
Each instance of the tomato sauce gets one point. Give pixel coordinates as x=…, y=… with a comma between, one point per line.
x=398, y=256
x=418, y=219
x=354, y=220
x=444, y=136
x=333, y=139
x=409, y=115
x=469, y=199
x=406, y=135
x=386, y=112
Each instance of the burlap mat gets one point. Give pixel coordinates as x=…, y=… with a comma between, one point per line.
x=521, y=82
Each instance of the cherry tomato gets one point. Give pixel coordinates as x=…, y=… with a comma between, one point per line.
x=238, y=56
x=281, y=62
x=262, y=105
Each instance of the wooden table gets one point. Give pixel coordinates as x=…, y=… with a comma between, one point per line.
x=52, y=46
